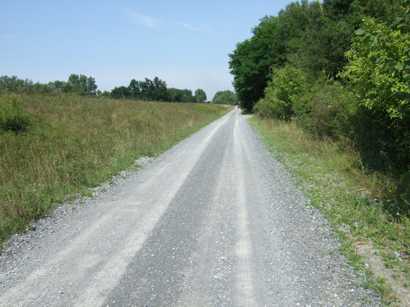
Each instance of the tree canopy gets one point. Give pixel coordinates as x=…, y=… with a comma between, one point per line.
x=338, y=67
x=200, y=95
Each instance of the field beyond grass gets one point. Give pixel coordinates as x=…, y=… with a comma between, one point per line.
x=75, y=143
x=354, y=201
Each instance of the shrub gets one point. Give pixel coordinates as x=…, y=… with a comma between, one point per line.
x=264, y=108
x=287, y=84
x=384, y=144
x=326, y=110
x=12, y=115
x=379, y=74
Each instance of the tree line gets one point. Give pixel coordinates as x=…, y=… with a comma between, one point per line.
x=77, y=84
x=157, y=90
x=340, y=69
x=147, y=90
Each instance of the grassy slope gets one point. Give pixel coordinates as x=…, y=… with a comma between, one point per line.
x=348, y=197
x=76, y=143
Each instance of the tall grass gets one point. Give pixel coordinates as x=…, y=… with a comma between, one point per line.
x=74, y=143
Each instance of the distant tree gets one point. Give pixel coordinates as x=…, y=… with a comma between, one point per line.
x=91, y=88
x=57, y=86
x=104, y=93
x=120, y=92
x=40, y=88
x=159, y=90
x=135, y=89
x=225, y=97
x=200, y=95
x=81, y=84
x=180, y=95
x=187, y=96
x=15, y=85
x=174, y=95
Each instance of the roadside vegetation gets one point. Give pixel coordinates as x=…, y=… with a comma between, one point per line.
x=54, y=147
x=330, y=84
x=352, y=199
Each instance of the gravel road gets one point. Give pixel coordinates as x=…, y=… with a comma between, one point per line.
x=214, y=221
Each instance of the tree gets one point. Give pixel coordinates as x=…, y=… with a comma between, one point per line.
x=225, y=97
x=15, y=85
x=174, y=95
x=135, y=89
x=282, y=92
x=186, y=96
x=159, y=90
x=378, y=73
x=378, y=68
x=200, y=95
x=120, y=92
x=91, y=87
x=337, y=9
x=81, y=84
x=251, y=62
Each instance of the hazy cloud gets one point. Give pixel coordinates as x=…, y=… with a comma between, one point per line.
x=144, y=20
x=151, y=22
x=193, y=28
x=190, y=27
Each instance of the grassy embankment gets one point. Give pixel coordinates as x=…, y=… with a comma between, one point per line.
x=353, y=200
x=75, y=143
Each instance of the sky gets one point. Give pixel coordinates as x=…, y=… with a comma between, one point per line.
x=186, y=43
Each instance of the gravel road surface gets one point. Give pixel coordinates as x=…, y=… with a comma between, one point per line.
x=215, y=221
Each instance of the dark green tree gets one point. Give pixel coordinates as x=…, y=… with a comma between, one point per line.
x=120, y=92
x=200, y=95
x=251, y=62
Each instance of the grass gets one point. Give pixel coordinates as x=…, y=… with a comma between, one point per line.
x=75, y=143
x=353, y=201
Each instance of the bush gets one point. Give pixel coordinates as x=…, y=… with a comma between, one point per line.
x=287, y=85
x=12, y=115
x=383, y=144
x=326, y=110
x=264, y=108
x=379, y=74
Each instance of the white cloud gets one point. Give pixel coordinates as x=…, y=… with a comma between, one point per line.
x=152, y=23
x=144, y=20
x=191, y=27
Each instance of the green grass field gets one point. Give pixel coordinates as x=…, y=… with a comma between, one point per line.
x=74, y=143
x=353, y=200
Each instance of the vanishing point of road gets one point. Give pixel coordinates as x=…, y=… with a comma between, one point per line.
x=214, y=221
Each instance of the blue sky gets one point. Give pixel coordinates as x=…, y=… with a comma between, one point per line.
x=186, y=43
